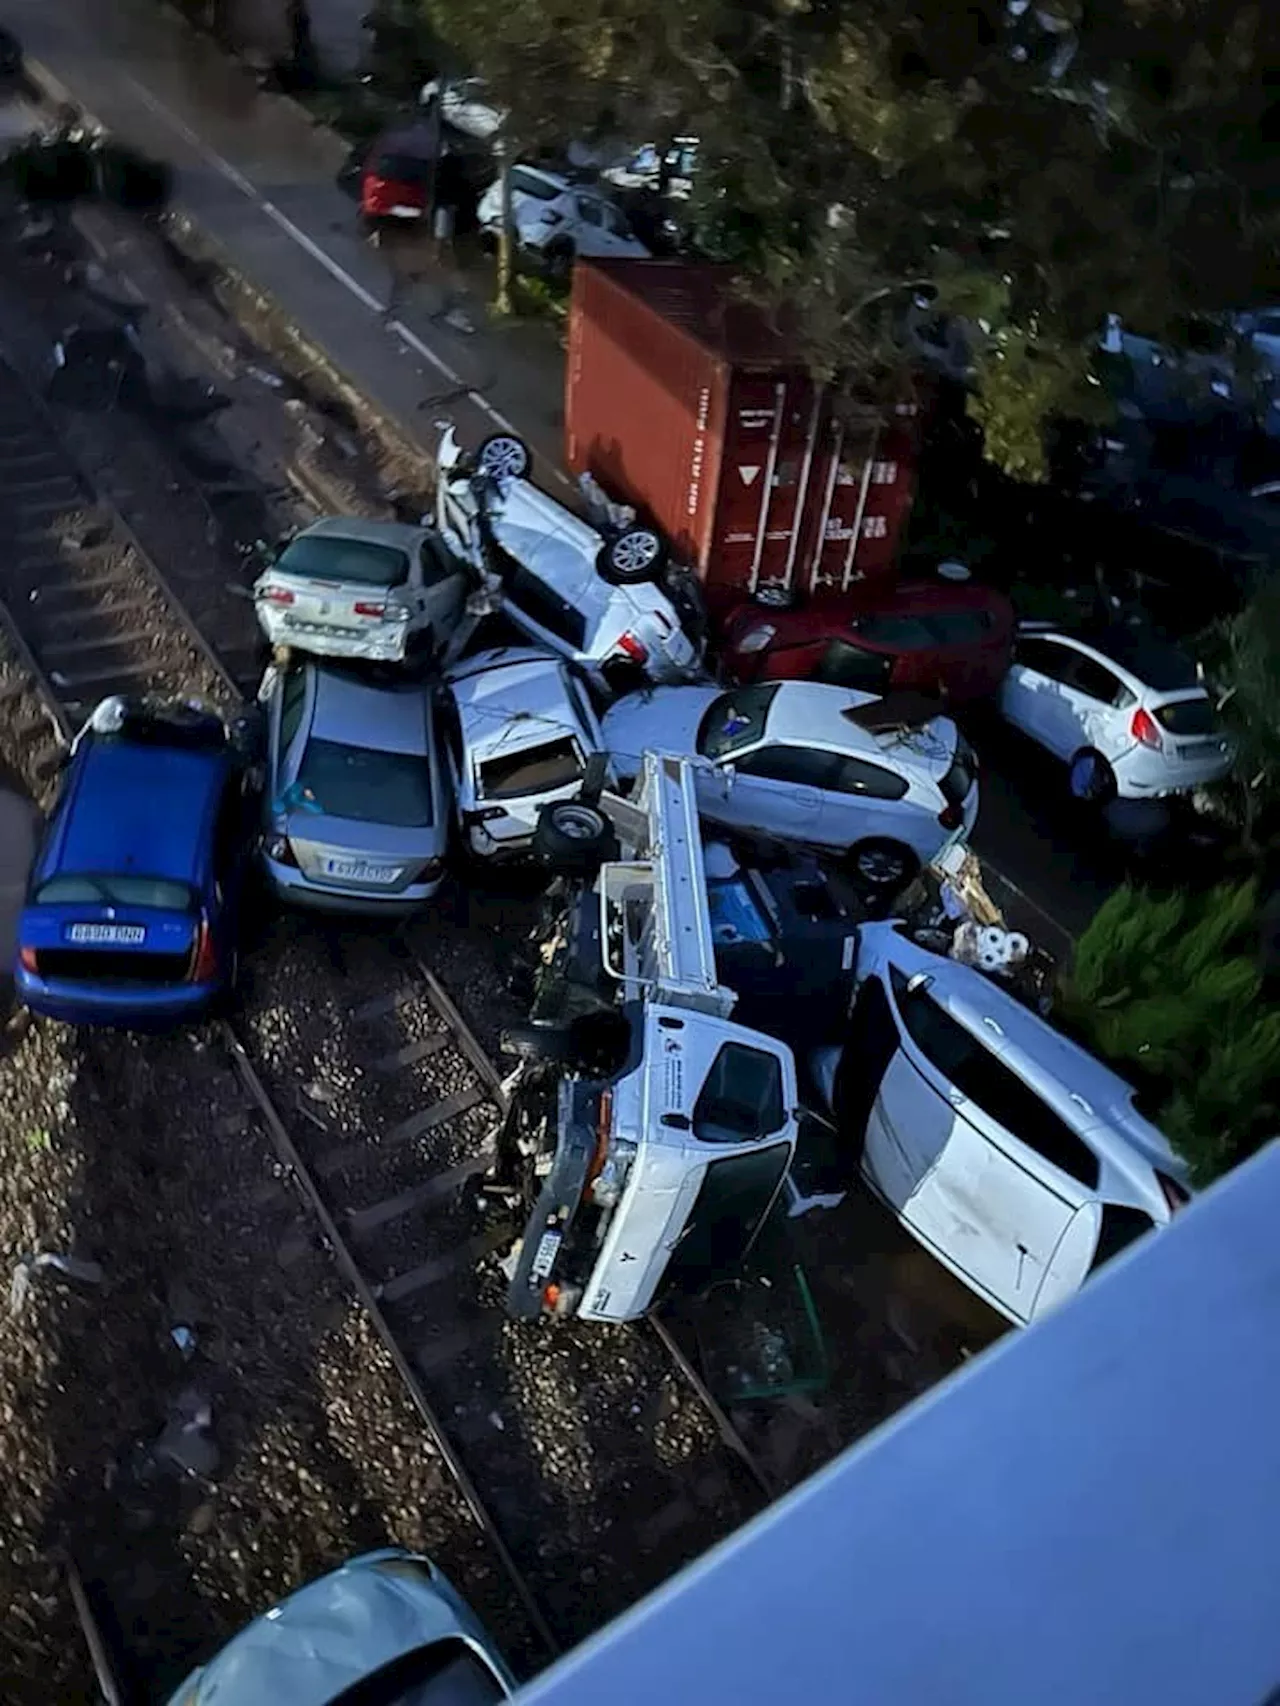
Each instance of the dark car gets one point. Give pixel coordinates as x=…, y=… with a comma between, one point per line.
x=132, y=906
x=953, y=638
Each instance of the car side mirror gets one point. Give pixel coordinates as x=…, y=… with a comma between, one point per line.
x=919, y=982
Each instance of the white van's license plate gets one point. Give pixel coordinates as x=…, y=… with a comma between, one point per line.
x=544, y=1257
x=126, y=935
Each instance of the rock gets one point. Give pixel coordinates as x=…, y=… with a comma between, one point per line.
x=201, y=1519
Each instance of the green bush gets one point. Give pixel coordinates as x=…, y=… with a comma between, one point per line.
x=1168, y=989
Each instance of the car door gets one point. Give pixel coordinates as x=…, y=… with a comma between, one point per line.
x=773, y=789
x=1036, y=696
x=1097, y=697
x=860, y=799
x=285, y=702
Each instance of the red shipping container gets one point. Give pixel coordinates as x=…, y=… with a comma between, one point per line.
x=683, y=401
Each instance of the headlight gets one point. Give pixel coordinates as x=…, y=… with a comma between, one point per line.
x=276, y=846
x=757, y=639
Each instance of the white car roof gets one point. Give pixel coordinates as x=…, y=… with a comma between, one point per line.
x=1128, y=1146
x=812, y=713
x=1136, y=659
x=511, y=698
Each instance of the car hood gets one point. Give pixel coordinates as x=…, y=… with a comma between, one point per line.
x=329, y=1635
x=663, y=719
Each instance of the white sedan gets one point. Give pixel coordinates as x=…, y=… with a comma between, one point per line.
x=882, y=781
x=519, y=731
x=1017, y=1159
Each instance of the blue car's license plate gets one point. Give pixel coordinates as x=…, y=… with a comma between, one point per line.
x=121, y=935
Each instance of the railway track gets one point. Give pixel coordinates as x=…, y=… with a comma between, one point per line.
x=583, y=1510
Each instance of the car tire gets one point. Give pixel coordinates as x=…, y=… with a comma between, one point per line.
x=775, y=598
x=1091, y=779
x=558, y=259
x=540, y=1045
x=503, y=456
x=881, y=866
x=632, y=557
x=574, y=837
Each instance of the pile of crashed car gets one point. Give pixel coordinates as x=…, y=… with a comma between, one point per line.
x=762, y=923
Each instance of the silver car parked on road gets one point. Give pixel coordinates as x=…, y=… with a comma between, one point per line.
x=356, y=805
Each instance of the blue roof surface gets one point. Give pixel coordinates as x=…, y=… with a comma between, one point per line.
x=139, y=808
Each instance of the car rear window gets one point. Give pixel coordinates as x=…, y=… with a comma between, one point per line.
x=110, y=890
x=735, y=720
x=528, y=183
x=391, y=788
x=1121, y=1227
x=741, y=1098
x=963, y=1060
x=961, y=776
x=535, y=770
x=1186, y=716
x=403, y=168
x=330, y=558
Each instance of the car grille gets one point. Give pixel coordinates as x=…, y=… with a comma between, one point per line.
x=107, y=965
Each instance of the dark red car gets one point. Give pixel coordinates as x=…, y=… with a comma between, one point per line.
x=949, y=637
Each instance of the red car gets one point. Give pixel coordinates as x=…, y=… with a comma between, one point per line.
x=398, y=177
x=948, y=637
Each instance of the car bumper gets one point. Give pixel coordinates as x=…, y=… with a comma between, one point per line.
x=1144, y=775
x=291, y=887
x=385, y=643
x=124, y=1008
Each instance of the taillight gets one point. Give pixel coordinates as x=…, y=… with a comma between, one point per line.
x=1174, y=1194
x=635, y=649
x=363, y=609
x=951, y=817
x=204, y=961
x=27, y=959
x=276, y=595
x=1146, y=730
x=604, y=1129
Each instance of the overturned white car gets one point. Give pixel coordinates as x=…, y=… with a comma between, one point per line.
x=602, y=598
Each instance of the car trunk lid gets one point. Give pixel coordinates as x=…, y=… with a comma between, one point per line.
x=343, y=854
x=108, y=943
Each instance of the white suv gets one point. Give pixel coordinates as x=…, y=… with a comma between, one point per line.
x=1126, y=712
x=558, y=220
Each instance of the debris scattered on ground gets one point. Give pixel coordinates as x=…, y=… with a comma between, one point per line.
x=74, y=1267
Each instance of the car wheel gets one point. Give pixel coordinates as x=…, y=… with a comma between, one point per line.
x=882, y=867
x=503, y=456
x=559, y=258
x=574, y=837
x=774, y=597
x=635, y=555
x=1091, y=779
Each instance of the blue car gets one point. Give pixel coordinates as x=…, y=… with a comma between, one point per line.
x=131, y=910
x=387, y=1629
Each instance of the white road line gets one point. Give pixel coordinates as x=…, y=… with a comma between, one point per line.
x=366, y=297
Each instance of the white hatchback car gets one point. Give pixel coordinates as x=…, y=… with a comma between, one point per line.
x=883, y=781
x=1127, y=713
x=557, y=219
x=519, y=734
x=1015, y=1157
x=592, y=599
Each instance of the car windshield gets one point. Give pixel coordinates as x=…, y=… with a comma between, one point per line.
x=534, y=770
x=331, y=557
x=528, y=183
x=735, y=721
x=98, y=889
x=403, y=168
x=391, y=788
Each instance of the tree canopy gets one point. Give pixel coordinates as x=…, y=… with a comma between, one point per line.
x=1040, y=163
